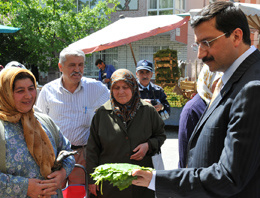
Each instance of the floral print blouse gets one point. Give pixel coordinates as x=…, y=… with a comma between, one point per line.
x=20, y=164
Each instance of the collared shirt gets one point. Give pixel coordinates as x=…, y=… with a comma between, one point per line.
x=73, y=112
x=109, y=70
x=143, y=87
x=106, y=74
x=229, y=72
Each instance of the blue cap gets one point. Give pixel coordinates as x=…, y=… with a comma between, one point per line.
x=144, y=64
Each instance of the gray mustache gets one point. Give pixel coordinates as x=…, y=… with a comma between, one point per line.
x=76, y=73
x=145, y=79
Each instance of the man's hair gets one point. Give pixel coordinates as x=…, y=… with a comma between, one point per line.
x=98, y=61
x=70, y=52
x=228, y=18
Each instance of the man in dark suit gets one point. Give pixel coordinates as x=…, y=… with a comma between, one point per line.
x=224, y=149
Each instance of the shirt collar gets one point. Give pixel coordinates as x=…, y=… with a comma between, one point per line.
x=229, y=72
x=62, y=87
x=143, y=87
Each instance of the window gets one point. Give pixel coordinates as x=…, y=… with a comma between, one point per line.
x=82, y=3
x=109, y=56
x=127, y=5
x=180, y=6
x=165, y=7
x=146, y=52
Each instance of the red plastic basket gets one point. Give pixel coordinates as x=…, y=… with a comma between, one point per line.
x=76, y=190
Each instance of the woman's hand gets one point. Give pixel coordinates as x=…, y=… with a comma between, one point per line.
x=93, y=188
x=140, y=151
x=57, y=177
x=36, y=188
x=54, y=182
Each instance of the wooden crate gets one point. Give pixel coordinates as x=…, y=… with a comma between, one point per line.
x=188, y=85
x=188, y=88
x=164, y=72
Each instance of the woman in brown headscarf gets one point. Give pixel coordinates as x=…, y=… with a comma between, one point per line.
x=124, y=130
x=29, y=141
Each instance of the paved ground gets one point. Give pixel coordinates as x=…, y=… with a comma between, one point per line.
x=170, y=148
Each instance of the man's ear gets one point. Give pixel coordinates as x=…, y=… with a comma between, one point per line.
x=60, y=67
x=238, y=36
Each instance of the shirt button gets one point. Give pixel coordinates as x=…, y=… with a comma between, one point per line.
x=126, y=138
x=127, y=155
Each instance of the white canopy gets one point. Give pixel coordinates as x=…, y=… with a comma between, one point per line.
x=128, y=29
x=252, y=12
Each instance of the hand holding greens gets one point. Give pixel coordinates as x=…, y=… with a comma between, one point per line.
x=118, y=174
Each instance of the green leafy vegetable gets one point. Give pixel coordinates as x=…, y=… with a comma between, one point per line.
x=118, y=174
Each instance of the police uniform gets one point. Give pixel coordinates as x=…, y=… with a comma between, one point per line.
x=152, y=91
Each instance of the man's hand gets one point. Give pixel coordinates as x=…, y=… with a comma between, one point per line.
x=148, y=100
x=106, y=80
x=143, y=178
x=159, y=107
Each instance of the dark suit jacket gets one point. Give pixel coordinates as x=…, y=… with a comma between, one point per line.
x=155, y=92
x=224, y=149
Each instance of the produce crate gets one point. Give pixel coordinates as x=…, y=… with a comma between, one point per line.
x=174, y=99
x=166, y=66
x=188, y=88
x=166, y=70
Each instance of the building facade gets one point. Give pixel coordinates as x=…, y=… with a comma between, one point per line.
x=121, y=57
x=179, y=39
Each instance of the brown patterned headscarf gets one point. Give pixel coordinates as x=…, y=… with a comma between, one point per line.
x=125, y=111
x=36, y=139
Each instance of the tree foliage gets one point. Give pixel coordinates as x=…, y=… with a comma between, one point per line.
x=47, y=26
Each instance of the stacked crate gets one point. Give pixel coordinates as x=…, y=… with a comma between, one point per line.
x=166, y=70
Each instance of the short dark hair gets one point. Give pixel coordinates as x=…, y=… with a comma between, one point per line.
x=228, y=18
x=24, y=75
x=98, y=61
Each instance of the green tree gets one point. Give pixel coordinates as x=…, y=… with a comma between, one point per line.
x=47, y=26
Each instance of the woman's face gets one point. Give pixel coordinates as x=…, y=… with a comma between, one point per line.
x=24, y=95
x=122, y=92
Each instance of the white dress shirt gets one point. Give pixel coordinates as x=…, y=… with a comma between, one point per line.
x=73, y=112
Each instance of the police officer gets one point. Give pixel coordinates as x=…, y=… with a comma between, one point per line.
x=150, y=92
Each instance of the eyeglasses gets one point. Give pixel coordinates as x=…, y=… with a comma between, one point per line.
x=204, y=44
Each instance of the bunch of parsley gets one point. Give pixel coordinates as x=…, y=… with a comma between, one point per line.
x=118, y=174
